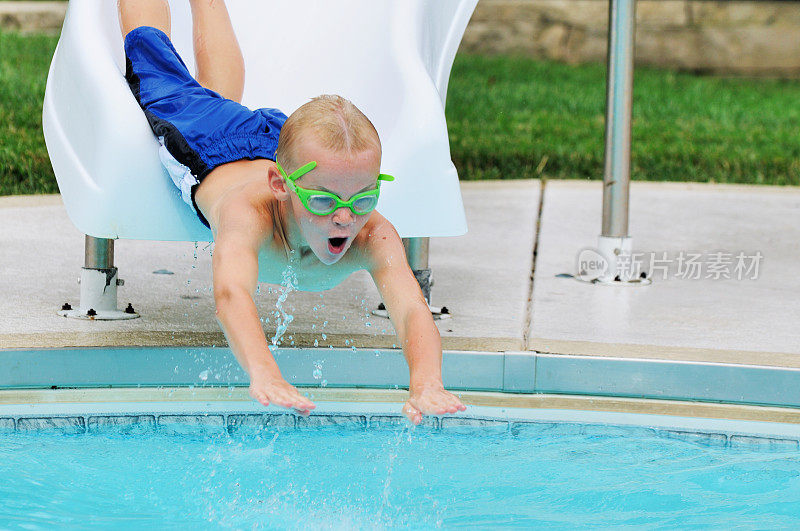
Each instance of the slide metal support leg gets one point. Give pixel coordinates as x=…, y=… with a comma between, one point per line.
x=417, y=251
x=99, y=284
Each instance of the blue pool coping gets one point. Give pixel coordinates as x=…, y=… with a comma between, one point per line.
x=506, y=372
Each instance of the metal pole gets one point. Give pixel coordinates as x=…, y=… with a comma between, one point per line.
x=417, y=256
x=619, y=89
x=417, y=252
x=99, y=253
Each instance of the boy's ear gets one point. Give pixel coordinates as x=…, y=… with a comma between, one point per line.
x=277, y=183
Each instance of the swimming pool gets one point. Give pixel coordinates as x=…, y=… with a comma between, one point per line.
x=169, y=437
x=358, y=464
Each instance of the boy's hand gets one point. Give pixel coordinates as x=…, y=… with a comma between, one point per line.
x=431, y=399
x=279, y=392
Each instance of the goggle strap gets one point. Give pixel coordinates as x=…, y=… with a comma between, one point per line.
x=299, y=172
x=305, y=168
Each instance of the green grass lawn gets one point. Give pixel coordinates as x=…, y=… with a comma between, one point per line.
x=506, y=114
x=509, y=116
x=24, y=165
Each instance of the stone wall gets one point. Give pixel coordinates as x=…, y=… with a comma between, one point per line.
x=732, y=37
x=32, y=16
x=726, y=36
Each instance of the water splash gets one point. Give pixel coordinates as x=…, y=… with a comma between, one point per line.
x=317, y=373
x=288, y=285
x=388, y=483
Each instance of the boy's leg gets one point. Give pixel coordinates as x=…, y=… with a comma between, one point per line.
x=220, y=66
x=135, y=13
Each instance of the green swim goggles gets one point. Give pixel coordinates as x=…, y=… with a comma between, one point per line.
x=323, y=203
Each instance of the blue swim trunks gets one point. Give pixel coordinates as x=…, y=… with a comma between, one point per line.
x=198, y=129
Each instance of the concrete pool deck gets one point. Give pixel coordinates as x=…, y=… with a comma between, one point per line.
x=484, y=278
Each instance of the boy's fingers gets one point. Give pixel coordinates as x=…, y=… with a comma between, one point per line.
x=306, y=402
x=442, y=404
x=413, y=414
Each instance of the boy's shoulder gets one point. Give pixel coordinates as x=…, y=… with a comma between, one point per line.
x=377, y=241
x=236, y=194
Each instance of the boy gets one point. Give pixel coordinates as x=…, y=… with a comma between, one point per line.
x=303, y=189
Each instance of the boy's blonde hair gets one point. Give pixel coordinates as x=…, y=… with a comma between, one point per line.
x=334, y=121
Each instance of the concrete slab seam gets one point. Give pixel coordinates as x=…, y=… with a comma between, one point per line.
x=528, y=321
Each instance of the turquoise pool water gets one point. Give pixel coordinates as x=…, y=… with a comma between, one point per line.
x=531, y=475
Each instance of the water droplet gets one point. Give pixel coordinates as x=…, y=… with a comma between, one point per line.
x=324, y=337
x=317, y=369
x=316, y=342
x=204, y=375
x=324, y=383
x=175, y=370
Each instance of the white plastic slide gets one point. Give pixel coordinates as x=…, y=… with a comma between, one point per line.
x=392, y=58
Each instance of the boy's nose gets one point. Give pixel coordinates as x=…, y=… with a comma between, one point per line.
x=343, y=216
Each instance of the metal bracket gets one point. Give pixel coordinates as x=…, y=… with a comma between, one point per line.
x=99, y=284
x=438, y=313
x=610, y=264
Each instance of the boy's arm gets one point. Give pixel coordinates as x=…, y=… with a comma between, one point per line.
x=413, y=322
x=235, y=276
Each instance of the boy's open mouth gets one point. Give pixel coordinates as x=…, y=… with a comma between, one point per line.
x=336, y=245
